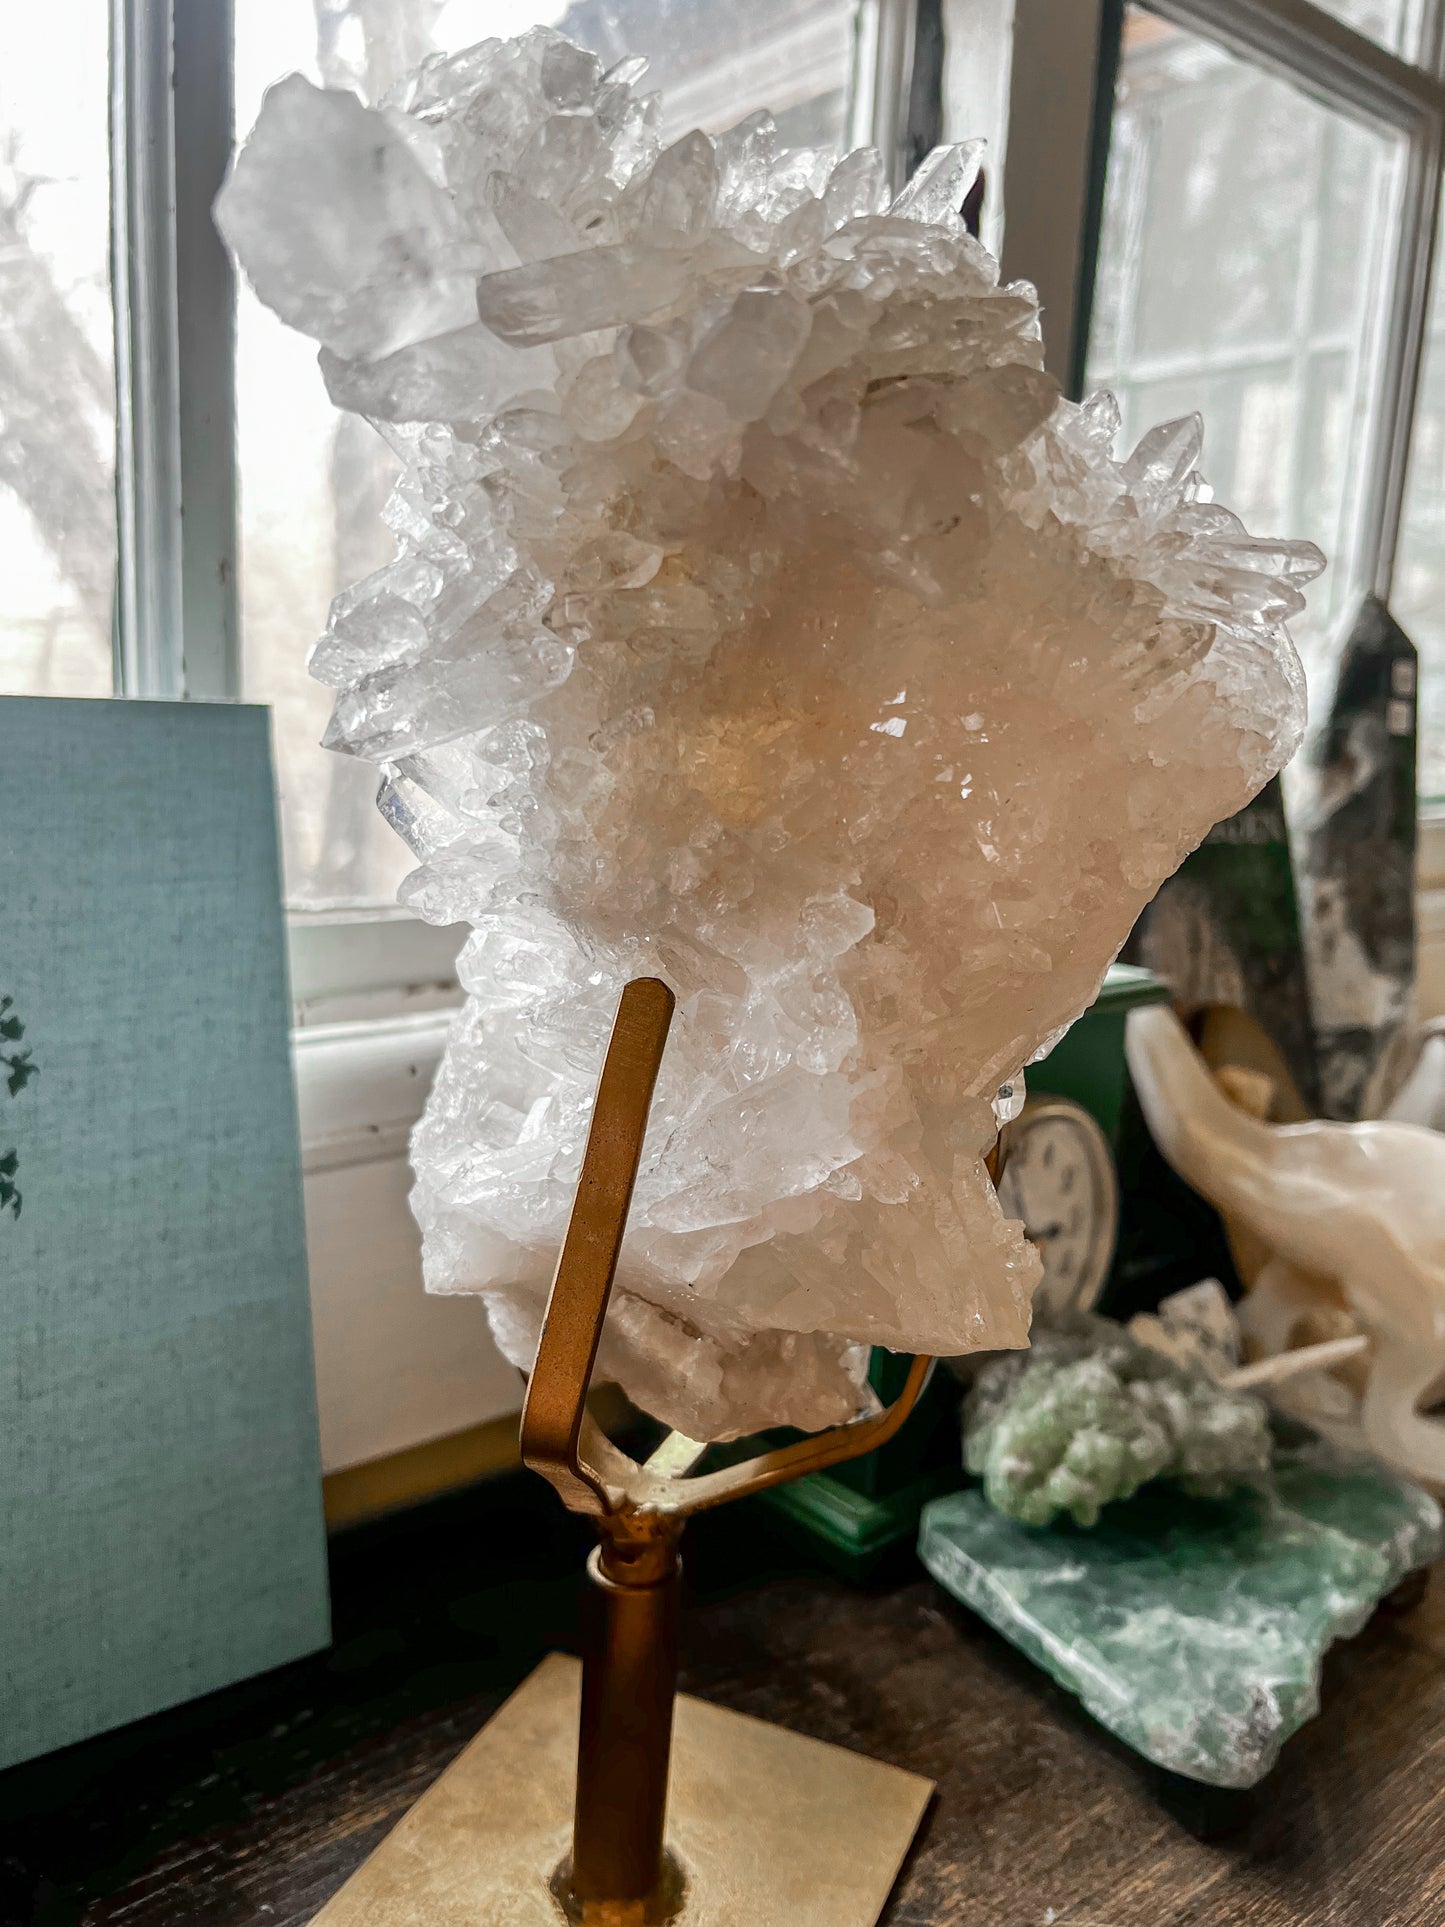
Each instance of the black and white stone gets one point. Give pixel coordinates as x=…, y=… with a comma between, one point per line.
x=1355, y=831
x=1225, y=929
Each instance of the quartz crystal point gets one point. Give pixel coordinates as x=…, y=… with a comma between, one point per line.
x=761, y=619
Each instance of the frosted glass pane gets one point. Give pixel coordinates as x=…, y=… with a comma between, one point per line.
x=57, y=380
x=1417, y=598
x=1241, y=274
x=312, y=482
x=1395, y=24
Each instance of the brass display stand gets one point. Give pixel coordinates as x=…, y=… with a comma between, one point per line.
x=767, y=1829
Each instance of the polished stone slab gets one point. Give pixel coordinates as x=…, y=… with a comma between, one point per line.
x=1194, y=1629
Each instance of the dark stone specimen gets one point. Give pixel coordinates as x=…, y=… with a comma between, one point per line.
x=1225, y=929
x=1357, y=867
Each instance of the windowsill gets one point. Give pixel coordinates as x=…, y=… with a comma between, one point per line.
x=370, y=966
x=362, y=1086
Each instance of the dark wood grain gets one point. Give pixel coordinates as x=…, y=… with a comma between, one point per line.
x=253, y=1806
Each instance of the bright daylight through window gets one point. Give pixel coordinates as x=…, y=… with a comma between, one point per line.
x=1419, y=596
x=1240, y=274
x=57, y=389
x=1396, y=24
x=313, y=481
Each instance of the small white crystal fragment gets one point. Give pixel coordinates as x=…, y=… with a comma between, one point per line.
x=467, y=375
x=681, y=190
x=856, y=186
x=1009, y=1100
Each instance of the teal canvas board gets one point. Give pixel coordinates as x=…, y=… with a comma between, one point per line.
x=161, y=1528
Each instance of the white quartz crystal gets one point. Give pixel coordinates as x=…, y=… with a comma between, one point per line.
x=761, y=619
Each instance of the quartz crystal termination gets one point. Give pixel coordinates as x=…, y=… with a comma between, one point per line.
x=761, y=619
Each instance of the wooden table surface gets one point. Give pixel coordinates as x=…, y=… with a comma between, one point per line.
x=254, y=1805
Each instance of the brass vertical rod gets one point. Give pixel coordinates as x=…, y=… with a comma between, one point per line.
x=629, y=1681
x=619, y=1872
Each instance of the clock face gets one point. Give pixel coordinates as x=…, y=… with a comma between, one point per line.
x=1058, y=1180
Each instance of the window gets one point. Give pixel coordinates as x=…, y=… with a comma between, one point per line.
x=117, y=410
x=1263, y=244
x=1265, y=184
x=57, y=379
x=1419, y=591
x=1396, y=24
x=1242, y=272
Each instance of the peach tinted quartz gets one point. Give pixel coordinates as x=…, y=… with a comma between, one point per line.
x=761, y=619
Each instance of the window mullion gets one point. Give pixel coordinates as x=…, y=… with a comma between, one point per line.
x=1432, y=37
x=1061, y=80
x=1402, y=352
x=170, y=142
x=882, y=76
x=206, y=342
x=148, y=467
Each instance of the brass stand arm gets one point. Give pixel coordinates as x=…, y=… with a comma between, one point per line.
x=630, y=1662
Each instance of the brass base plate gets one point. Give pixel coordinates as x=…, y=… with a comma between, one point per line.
x=770, y=1829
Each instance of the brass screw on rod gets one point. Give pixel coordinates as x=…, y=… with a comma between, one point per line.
x=618, y=1874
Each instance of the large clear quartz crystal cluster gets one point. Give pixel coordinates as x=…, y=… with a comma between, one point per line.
x=761, y=619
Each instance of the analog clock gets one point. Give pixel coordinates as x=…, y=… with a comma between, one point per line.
x=1058, y=1179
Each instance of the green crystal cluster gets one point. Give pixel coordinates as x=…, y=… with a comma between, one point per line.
x=1088, y=1415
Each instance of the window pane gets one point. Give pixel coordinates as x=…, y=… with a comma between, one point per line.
x=1241, y=273
x=57, y=380
x=313, y=481
x=1395, y=24
x=1417, y=598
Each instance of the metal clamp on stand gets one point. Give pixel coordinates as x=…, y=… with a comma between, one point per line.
x=619, y=1872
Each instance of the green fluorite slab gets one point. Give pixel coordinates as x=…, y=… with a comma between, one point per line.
x=1194, y=1628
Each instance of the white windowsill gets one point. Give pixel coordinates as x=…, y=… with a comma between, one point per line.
x=354, y=966
x=360, y=1087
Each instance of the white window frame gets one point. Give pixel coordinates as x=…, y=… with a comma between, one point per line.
x=174, y=299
